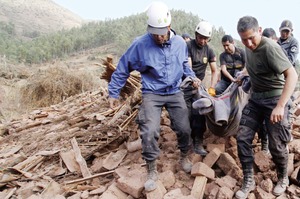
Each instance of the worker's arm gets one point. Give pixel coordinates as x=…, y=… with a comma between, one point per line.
x=291, y=79
x=226, y=73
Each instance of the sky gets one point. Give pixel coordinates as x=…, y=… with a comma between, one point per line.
x=220, y=13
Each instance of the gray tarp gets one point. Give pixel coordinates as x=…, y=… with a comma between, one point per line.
x=224, y=116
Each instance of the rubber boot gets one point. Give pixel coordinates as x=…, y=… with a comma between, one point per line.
x=248, y=185
x=152, y=176
x=198, y=147
x=185, y=162
x=283, y=182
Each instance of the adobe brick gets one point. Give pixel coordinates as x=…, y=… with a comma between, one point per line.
x=212, y=157
x=201, y=169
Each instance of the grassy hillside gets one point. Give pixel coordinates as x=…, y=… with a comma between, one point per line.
x=32, y=16
x=61, y=44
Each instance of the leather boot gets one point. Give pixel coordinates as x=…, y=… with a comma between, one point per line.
x=152, y=176
x=248, y=185
x=283, y=182
x=185, y=162
x=198, y=147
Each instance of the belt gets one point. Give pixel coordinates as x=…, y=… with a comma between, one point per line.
x=234, y=67
x=267, y=94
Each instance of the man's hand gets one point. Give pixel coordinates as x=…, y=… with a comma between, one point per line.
x=239, y=77
x=277, y=114
x=212, y=91
x=113, y=102
x=196, y=82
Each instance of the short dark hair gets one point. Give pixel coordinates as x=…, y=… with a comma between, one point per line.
x=247, y=23
x=186, y=35
x=270, y=33
x=226, y=38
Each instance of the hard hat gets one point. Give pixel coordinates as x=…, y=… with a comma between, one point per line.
x=286, y=25
x=158, y=18
x=204, y=28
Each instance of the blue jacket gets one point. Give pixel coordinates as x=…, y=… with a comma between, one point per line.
x=162, y=67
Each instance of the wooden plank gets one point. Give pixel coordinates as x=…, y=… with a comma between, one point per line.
x=29, y=163
x=28, y=126
x=81, y=124
x=90, y=177
x=10, y=193
x=76, y=120
x=47, y=153
x=34, y=163
x=24, y=173
x=81, y=161
x=114, y=159
x=70, y=161
x=8, y=152
x=94, y=176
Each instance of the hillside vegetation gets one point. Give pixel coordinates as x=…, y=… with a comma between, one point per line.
x=61, y=44
x=30, y=17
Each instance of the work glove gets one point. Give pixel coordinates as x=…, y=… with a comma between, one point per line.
x=212, y=91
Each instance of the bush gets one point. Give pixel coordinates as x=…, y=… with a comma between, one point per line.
x=53, y=85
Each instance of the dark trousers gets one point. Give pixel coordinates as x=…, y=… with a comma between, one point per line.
x=263, y=133
x=279, y=134
x=197, y=121
x=221, y=86
x=149, y=122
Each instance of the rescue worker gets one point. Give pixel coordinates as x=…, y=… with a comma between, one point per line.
x=200, y=55
x=232, y=61
x=288, y=42
x=273, y=80
x=161, y=57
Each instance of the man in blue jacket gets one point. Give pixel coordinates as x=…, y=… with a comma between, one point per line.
x=161, y=57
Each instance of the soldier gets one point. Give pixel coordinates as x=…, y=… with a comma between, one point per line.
x=288, y=42
x=273, y=80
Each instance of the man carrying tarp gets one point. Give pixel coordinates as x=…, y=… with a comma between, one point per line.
x=273, y=80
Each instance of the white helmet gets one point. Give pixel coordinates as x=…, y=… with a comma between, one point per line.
x=204, y=28
x=158, y=18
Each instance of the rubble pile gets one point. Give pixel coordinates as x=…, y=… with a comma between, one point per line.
x=80, y=148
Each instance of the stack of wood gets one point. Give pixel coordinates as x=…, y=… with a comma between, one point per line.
x=72, y=133
x=131, y=94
